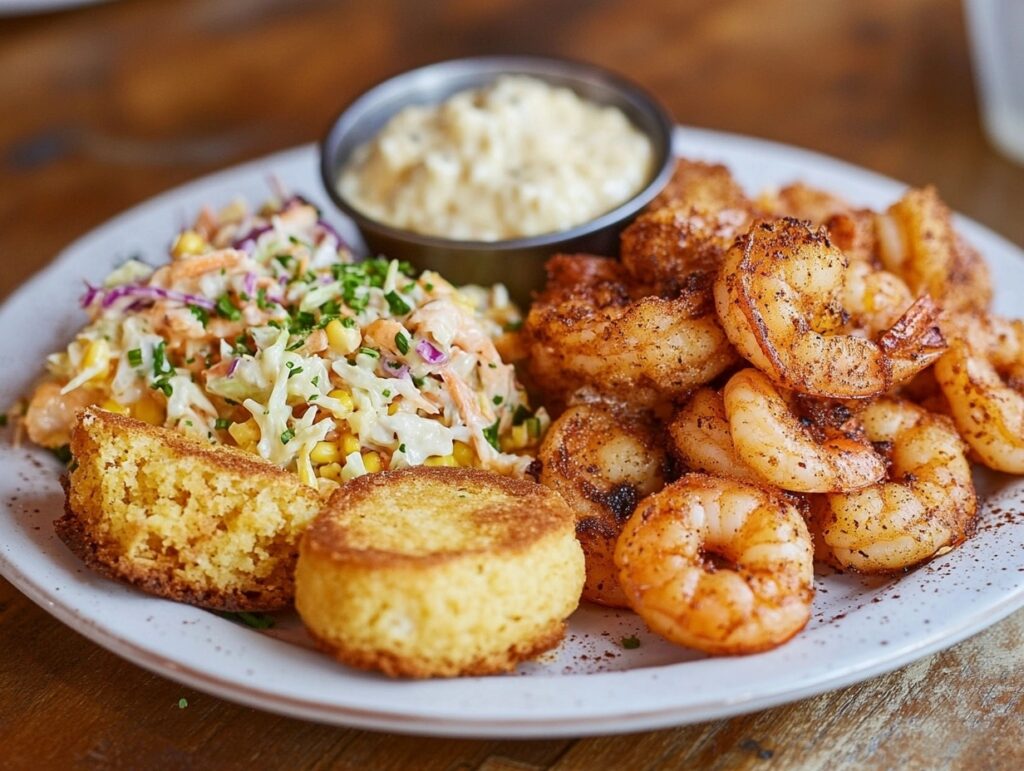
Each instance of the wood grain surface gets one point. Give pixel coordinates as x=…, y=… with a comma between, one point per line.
x=105, y=106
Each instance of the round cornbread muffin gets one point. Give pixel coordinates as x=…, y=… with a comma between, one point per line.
x=438, y=572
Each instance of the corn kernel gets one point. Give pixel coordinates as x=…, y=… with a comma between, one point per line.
x=372, y=462
x=331, y=471
x=97, y=354
x=342, y=339
x=393, y=407
x=441, y=460
x=325, y=452
x=463, y=454
x=245, y=434
x=349, y=445
x=148, y=411
x=112, y=405
x=187, y=243
x=520, y=435
x=344, y=397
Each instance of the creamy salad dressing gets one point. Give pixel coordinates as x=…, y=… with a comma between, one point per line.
x=518, y=158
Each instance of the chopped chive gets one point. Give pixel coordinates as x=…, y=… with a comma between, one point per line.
x=227, y=309
x=182, y=703
x=287, y=436
x=221, y=423
x=491, y=435
x=294, y=371
x=261, y=299
x=401, y=447
x=402, y=343
x=386, y=393
x=63, y=453
x=631, y=642
x=497, y=400
x=315, y=380
x=370, y=352
x=520, y=414
x=135, y=357
x=397, y=305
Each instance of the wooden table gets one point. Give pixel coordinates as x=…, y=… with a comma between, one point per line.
x=105, y=106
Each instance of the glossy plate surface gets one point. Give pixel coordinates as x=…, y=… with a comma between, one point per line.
x=591, y=684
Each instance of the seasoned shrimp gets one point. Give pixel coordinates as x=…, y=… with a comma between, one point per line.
x=982, y=378
x=672, y=248
x=602, y=462
x=778, y=297
x=702, y=442
x=706, y=187
x=819, y=452
x=607, y=336
x=803, y=202
x=51, y=414
x=758, y=603
x=926, y=505
x=875, y=299
x=917, y=241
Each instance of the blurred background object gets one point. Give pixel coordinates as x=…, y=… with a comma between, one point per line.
x=107, y=105
x=997, y=43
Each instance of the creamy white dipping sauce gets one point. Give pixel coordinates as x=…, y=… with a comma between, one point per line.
x=518, y=158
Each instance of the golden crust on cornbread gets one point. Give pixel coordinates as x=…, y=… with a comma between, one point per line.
x=181, y=519
x=438, y=572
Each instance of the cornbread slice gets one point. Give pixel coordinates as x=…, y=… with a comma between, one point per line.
x=179, y=518
x=438, y=572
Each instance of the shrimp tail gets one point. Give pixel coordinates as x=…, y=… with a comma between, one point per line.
x=915, y=340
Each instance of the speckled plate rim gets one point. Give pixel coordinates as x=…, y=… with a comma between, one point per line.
x=976, y=585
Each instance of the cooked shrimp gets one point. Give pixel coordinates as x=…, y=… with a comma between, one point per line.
x=706, y=187
x=51, y=414
x=672, y=247
x=602, y=462
x=758, y=603
x=804, y=454
x=702, y=442
x=875, y=299
x=803, y=202
x=192, y=267
x=917, y=241
x=926, y=505
x=982, y=378
x=778, y=295
x=610, y=338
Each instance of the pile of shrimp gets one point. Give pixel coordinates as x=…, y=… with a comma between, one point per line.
x=759, y=384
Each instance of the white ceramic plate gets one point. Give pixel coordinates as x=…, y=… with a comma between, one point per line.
x=591, y=684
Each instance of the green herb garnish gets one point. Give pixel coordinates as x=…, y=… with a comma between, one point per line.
x=370, y=352
x=497, y=400
x=221, y=423
x=398, y=306
x=491, y=435
x=629, y=643
x=402, y=343
x=135, y=357
x=63, y=453
x=227, y=309
x=287, y=436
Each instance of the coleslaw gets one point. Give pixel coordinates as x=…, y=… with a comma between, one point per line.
x=263, y=332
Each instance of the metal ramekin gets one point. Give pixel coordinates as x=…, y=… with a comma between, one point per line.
x=519, y=262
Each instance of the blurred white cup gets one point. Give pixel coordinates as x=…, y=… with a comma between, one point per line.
x=996, y=29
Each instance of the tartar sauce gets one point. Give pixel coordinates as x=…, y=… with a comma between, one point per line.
x=518, y=158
